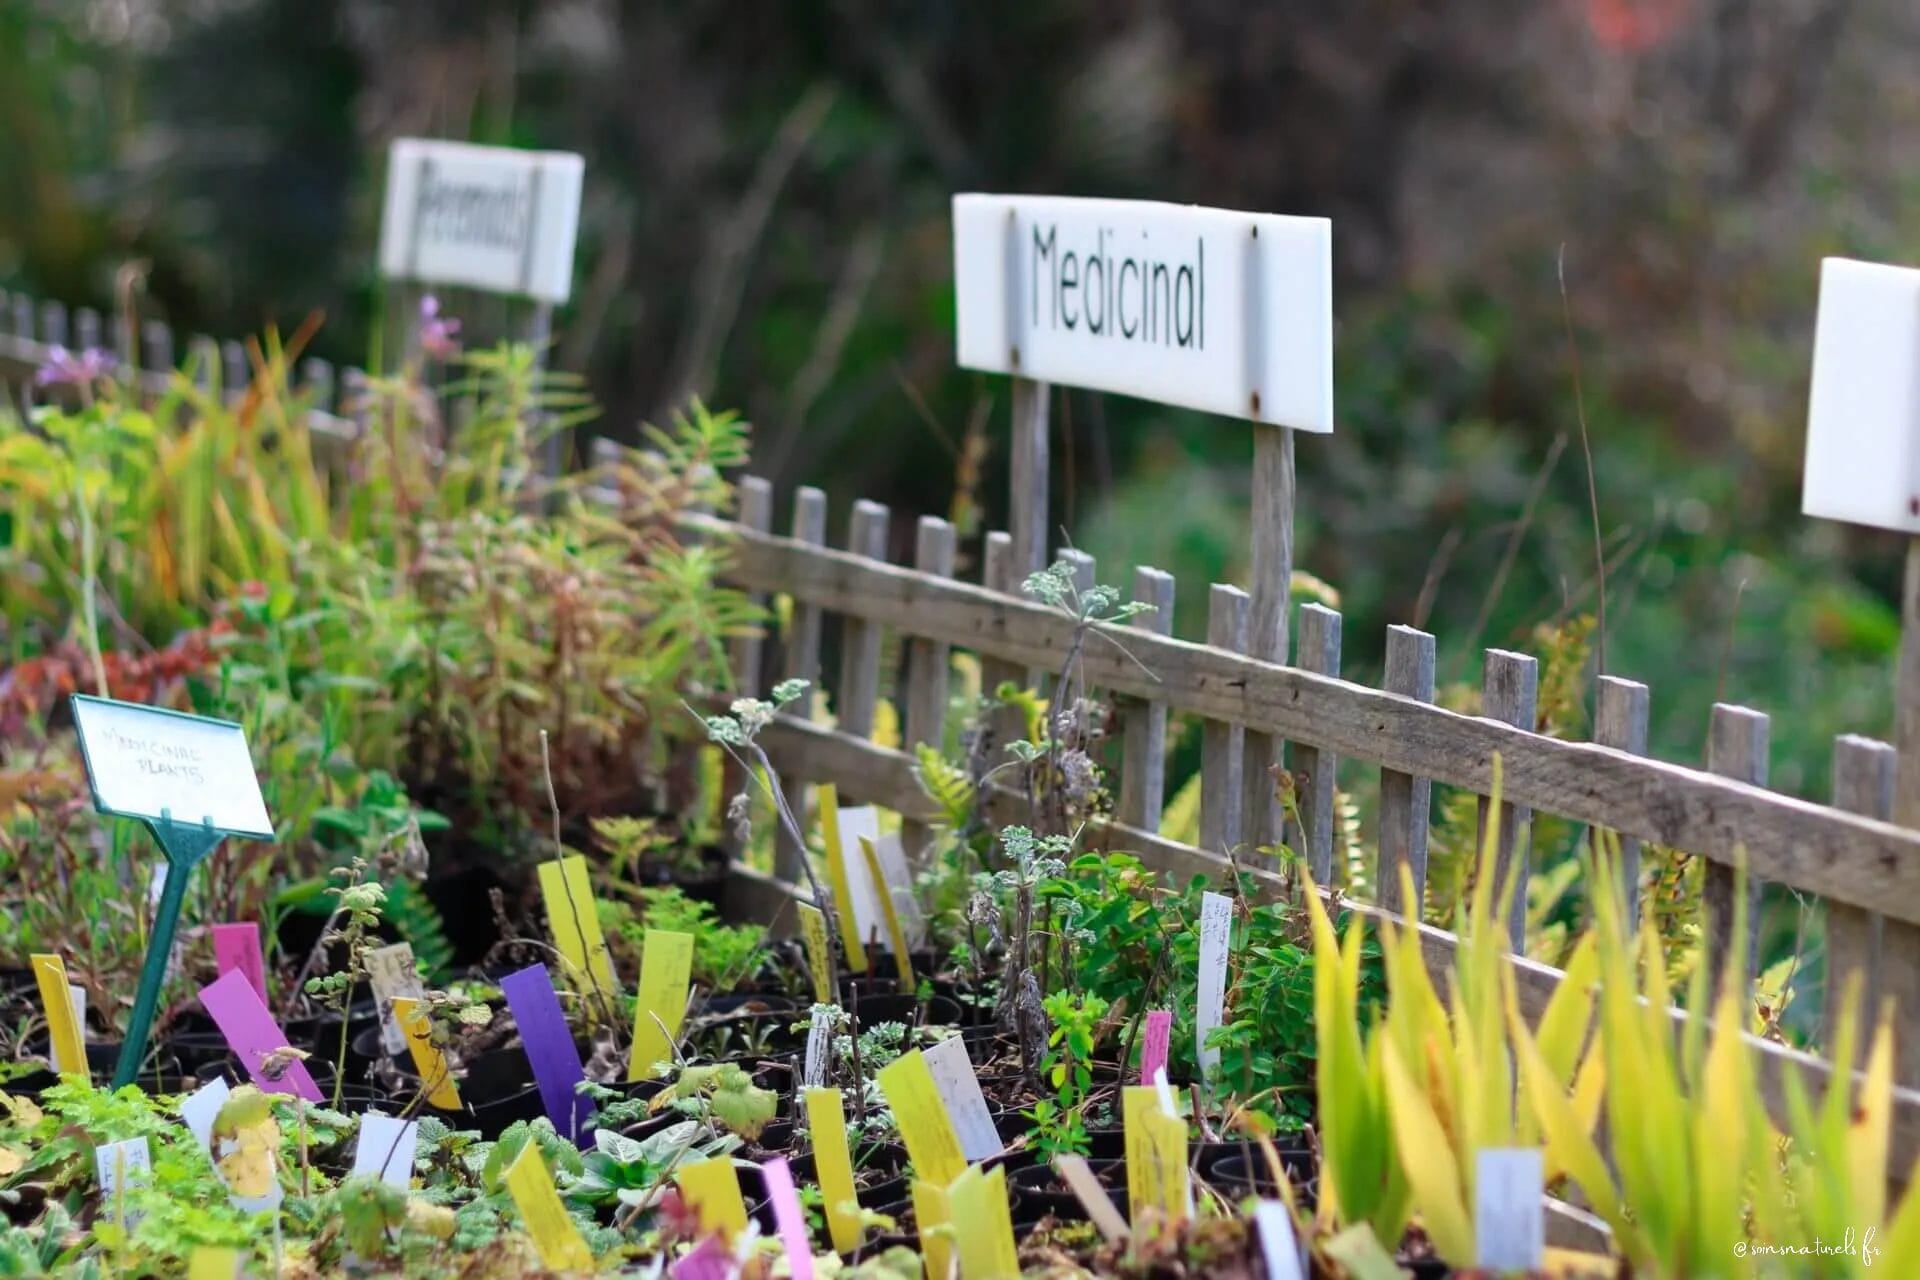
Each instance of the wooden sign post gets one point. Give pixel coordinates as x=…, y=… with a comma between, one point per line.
x=1863, y=467
x=149, y=763
x=1208, y=309
x=495, y=219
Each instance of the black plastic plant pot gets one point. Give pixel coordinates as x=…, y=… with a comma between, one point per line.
x=496, y=1089
x=161, y=1072
x=1038, y=1184
x=1236, y=1177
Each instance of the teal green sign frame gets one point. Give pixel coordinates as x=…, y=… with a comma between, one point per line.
x=186, y=845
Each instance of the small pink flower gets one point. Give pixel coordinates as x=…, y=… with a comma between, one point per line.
x=64, y=368
x=439, y=336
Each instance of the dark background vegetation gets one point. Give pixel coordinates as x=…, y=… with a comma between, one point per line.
x=765, y=223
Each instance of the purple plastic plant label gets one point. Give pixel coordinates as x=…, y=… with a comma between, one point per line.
x=550, y=1048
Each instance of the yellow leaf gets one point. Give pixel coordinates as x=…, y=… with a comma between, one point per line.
x=1430, y=1163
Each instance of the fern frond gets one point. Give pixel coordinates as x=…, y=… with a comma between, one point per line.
x=945, y=783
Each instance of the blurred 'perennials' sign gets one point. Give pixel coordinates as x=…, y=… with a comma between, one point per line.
x=490, y=218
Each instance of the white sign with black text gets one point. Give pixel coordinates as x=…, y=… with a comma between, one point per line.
x=1204, y=308
x=490, y=218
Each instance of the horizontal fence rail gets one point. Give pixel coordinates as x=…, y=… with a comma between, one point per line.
x=1835, y=854
x=30, y=331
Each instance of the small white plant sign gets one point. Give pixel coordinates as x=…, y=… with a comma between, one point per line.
x=819, y=1045
x=1216, y=926
x=1863, y=411
x=385, y=1147
x=1278, y=1243
x=122, y=1166
x=959, y=1089
x=1509, y=1225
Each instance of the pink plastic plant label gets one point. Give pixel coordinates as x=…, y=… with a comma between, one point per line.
x=253, y=1035
x=237, y=946
x=1153, y=1045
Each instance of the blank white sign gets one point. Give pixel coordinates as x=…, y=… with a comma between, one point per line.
x=1204, y=308
x=146, y=761
x=1863, y=414
x=491, y=218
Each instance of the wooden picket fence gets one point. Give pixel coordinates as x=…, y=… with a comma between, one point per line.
x=1866, y=869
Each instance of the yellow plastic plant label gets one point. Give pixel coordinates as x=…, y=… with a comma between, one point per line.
x=983, y=1225
x=896, y=936
x=813, y=932
x=555, y=1237
x=213, y=1262
x=69, y=1045
x=573, y=918
x=427, y=1058
x=935, y=1216
x=712, y=1189
x=833, y=1165
x=922, y=1117
x=1156, y=1156
x=666, y=964
x=837, y=877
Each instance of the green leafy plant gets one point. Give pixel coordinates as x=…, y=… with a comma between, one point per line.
x=1059, y=1123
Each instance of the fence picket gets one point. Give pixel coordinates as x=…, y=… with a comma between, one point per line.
x=859, y=693
x=1736, y=748
x=317, y=380
x=86, y=330
x=802, y=663
x=1406, y=801
x=999, y=574
x=928, y=663
x=1620, y=721
x=1143, y=741
x=1863, y=772
x=1222, y=744
x=1509, y=693
x=53, y=324
x=203, y=353
x=1314, y=770
x=235, y=374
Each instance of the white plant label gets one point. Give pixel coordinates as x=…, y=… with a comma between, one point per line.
x=1509, y=1226
x=77, y=997
x=391, y=973
x=1165, y=1092
x=959, y=1089
x=819, y=1044
x=892, y=856
x=1216, y=927
x=1863, y=412
x=868, y=916
x=201, y=1108
x=385, y=1147
x=127, y=1164
x=1278, y=1243
x=1204, y=308
x=490, y=218
x=147, y=762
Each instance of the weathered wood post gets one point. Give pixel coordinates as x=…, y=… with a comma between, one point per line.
x=1863, y=467
x=1209, y=309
